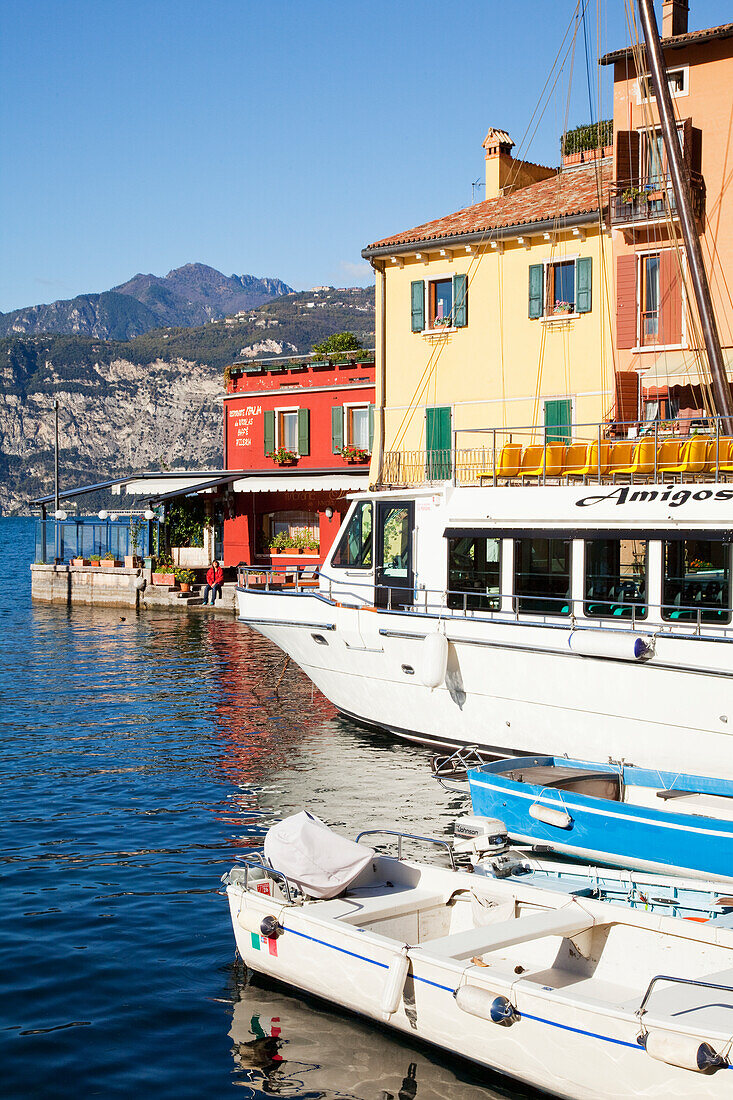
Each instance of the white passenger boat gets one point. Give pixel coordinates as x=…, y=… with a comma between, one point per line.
x=574, y=996
x=588, y=620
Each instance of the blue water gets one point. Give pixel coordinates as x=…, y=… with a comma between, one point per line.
x=139, y=755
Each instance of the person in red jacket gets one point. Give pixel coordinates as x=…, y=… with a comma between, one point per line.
x=214, y=581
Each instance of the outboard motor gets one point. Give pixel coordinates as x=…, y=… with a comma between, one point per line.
x=476, y=837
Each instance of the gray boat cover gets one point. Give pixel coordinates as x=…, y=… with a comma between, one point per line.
x=309, y=853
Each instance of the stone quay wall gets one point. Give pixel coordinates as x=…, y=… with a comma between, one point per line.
x=117, y=587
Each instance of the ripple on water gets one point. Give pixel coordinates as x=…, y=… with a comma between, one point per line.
x=140, y=755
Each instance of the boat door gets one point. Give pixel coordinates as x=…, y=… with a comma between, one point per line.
x=394, y=577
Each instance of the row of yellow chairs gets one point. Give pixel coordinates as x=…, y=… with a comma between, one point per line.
x=632, y=460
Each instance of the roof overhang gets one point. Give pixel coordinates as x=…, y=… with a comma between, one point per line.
x=482, y=236
x=303, y=483
x=679, y=42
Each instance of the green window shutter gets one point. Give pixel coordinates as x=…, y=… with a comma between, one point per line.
x=371, y=427
x=418, y=305
x=460, y=301
x=269, y=430
x=536, y=275
x=337, y=428
x=304, y=432
x=583, y=281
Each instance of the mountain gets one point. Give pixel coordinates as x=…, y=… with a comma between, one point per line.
x=188, y=295
x=146, y=403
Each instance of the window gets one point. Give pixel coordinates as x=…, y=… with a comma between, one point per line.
x=445, y=299
x=474, y=573
x=676, y=78
x=615, y=578
x=357, y=426
x=560, y=287
x=291, y=529
x=287, y=429
x=440, y=302
x=354, y=549
x=649, y=299
x=696, y=581
x=542, y=575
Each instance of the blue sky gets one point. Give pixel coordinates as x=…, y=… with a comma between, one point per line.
x=260, y=137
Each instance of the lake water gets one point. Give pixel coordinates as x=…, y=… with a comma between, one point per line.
x=140, y=755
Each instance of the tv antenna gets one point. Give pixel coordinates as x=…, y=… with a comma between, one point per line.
x=475, y=186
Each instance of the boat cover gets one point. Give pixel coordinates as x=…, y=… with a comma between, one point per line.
x=309, y=853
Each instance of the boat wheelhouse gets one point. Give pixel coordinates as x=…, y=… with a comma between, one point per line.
x=563, y=611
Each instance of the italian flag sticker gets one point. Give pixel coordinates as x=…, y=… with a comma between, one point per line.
x=259, y=943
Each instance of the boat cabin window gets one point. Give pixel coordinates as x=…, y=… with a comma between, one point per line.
x=474, y=573
x=354, y=550
x=696, y=581
x=615, y=578
x=542, y=575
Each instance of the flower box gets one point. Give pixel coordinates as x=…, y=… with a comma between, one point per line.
x=80, y=561
x=110, y=563
x=132, y=561
x=165, y=580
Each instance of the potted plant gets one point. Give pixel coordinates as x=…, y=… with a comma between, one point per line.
x=563, y=307
x=95, y=560
x=281, y=543
x=355, y=455
x=109, y=561
x=164, y=573
x=132, y=560
x=185, y=578
x=80, y=561
x=283, y=457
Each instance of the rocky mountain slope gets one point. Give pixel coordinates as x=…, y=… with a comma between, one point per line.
x=149, y=403
x=188, y=295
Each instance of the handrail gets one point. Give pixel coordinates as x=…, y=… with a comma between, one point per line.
x=435, y=601
x=410, y=836
x=679, y=981
x=257, y=862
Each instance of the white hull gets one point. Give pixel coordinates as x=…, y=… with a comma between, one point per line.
x=512, y=687
x=576, y=992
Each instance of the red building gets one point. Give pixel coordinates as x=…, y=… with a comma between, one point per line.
x=318, y=419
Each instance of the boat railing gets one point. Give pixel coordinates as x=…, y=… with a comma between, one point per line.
x=691, y=448
x=626, y=614
x=696, y=982
x=257, y=862
x=446, y=845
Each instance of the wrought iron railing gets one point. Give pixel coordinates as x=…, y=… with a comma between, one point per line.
x=653, y=199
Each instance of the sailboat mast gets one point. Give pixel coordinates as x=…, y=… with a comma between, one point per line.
x=721, y=389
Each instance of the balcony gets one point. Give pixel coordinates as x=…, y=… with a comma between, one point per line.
x=652, y=200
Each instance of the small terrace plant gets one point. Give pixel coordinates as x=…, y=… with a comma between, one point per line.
x=283, y=541
x=354, y=454
x=282, y=456
x=109, y=556
x=185, y=576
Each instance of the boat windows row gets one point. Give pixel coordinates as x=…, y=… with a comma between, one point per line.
x=695, y=577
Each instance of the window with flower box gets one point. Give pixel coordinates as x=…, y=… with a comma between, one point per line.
x=558, y=288
x=440, y=303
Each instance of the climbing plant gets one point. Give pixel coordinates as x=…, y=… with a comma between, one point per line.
x=185, y=523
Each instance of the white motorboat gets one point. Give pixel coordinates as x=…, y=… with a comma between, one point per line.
x=568, y=994
x=526, y=619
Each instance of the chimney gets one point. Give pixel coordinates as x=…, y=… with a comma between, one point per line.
x=674, y=18
x=499, y=161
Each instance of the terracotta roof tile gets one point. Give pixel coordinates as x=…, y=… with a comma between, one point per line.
x=676, y=42
x=561, y=196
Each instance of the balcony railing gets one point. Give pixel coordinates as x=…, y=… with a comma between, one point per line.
x=653, y=200
x=683, y=449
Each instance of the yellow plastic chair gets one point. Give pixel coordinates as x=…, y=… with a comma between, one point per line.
x=722, y=449
x=533, y=461
x=589, y=469
x=510, y=460
x=576, y=457
x=692, y=461
x=621, y=458
x=642, y=462
x=668, y=455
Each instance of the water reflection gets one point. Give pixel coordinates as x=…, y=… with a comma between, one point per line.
x=285, y=1045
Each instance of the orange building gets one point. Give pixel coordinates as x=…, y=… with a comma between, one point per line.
x=660, y=359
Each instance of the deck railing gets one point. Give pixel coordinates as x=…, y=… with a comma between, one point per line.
x=652, y=200
x=631, y=451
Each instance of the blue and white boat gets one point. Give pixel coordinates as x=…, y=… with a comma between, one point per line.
x=612, y=813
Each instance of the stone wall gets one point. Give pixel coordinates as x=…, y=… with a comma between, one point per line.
x=85, y=584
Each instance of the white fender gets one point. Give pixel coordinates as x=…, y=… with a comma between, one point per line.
x=434, y=659
x=394, y=984
x=486, y=1005
x=684, y=1051
x=611, y=643
x=561, y=819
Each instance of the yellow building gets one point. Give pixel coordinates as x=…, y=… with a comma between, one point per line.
x=493, y=317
